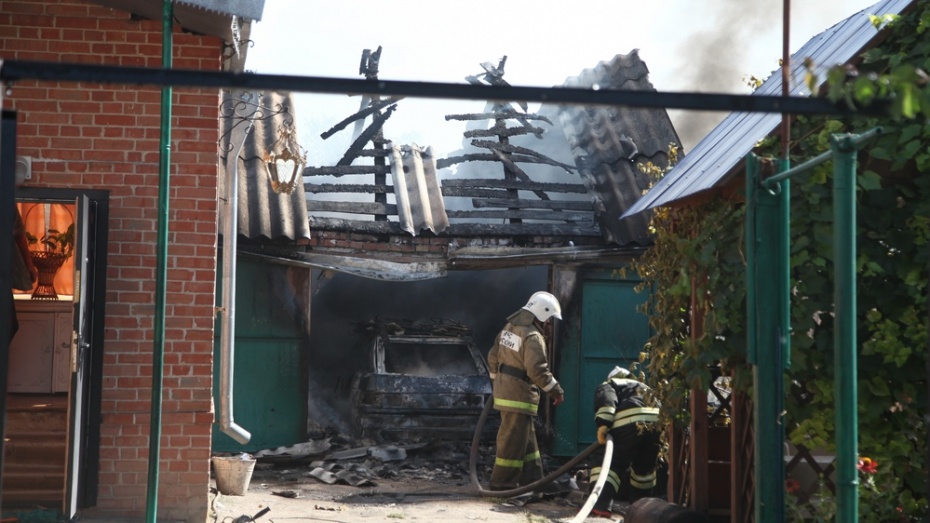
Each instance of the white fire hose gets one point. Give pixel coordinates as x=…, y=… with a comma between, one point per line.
x=599, y=484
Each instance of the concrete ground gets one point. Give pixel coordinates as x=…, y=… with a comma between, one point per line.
x=423, y=495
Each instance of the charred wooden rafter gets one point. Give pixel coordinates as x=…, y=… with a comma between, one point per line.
x=510, y=149
x=360, y=115
x=493, y=75
x=377, y=122
x=515, y=171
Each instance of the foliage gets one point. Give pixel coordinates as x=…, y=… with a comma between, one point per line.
x=702, y=246
x=699, y=247
x=55, y=241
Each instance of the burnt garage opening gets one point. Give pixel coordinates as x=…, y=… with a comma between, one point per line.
x=415, y=357
x=342, y=304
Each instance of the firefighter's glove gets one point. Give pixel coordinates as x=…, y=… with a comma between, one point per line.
x=602, y=434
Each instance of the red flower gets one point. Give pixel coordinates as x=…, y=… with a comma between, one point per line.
x=792, y=486
x=867, y=465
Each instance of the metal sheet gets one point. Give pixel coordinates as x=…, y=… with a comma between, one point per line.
x=716, y=156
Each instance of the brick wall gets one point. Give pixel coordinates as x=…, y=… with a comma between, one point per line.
x=107, y=137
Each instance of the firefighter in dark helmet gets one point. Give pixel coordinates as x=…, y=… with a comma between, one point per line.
x=621, y=411
x=519, y=370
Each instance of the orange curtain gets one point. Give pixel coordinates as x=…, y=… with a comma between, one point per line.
x=39, y=218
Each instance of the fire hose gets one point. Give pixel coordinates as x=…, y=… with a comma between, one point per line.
x=480, y=491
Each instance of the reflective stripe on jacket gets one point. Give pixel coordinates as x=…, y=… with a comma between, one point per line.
x=520, y=345
x=619, y=402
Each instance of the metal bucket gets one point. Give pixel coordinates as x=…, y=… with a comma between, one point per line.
x=233, y=474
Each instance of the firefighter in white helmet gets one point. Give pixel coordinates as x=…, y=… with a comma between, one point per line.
x=621, y=410
x=519, y=370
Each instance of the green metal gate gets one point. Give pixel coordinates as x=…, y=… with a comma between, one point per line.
x=269, y=388
x=612, y=331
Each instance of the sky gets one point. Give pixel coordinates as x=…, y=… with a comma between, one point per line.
x=688, y=46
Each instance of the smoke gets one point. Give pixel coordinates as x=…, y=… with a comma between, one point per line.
x=711, y=61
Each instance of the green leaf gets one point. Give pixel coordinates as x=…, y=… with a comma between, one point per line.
x=870, y=180
x=879, y=387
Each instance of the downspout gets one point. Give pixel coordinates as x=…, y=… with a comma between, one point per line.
x=228, y=307
x=161, y=272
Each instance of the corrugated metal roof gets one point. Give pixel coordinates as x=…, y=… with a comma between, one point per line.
x=608, y=144
x=248, y=9
x=726, y=145
x=419, y=200
x=212, y=17
x=263, y=213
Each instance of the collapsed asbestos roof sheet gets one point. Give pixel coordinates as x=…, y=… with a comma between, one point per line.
x=718, y=156
x=250, y=125
x=416, y=188
x=610, y=143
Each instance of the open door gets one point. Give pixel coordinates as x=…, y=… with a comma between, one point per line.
x=80, y=349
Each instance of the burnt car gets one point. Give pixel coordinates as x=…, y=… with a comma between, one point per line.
x=424, y=380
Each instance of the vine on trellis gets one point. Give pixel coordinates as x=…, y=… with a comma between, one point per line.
x=703, y=245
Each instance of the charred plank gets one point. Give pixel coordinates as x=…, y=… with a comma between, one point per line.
x=590, y=230
x=546, y=215
x=507, y=184
x=505, y=131
x=351, y=207
x=483, y=157
x=506, y=115
x=471, y=192
x=321, y=188
x=346, y=169
x=565, y=205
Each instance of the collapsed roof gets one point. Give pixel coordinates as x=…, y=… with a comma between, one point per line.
x=564, y=172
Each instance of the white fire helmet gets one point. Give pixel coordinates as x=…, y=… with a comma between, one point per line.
x=544, y=306
x=618, y=372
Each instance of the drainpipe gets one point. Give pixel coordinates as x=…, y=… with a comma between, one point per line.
x=161, y=272
x=844, y=340
x=228, y=308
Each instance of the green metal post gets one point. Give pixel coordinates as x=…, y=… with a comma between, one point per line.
x=784, y=275
x=844, y=341
x=752, y=185
x=768, y=330
x=161, y=274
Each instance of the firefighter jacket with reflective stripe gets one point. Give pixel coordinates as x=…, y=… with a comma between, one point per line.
x=619, y=402
x=520, y=347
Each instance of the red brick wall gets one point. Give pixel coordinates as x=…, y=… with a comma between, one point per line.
x=107, y=137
